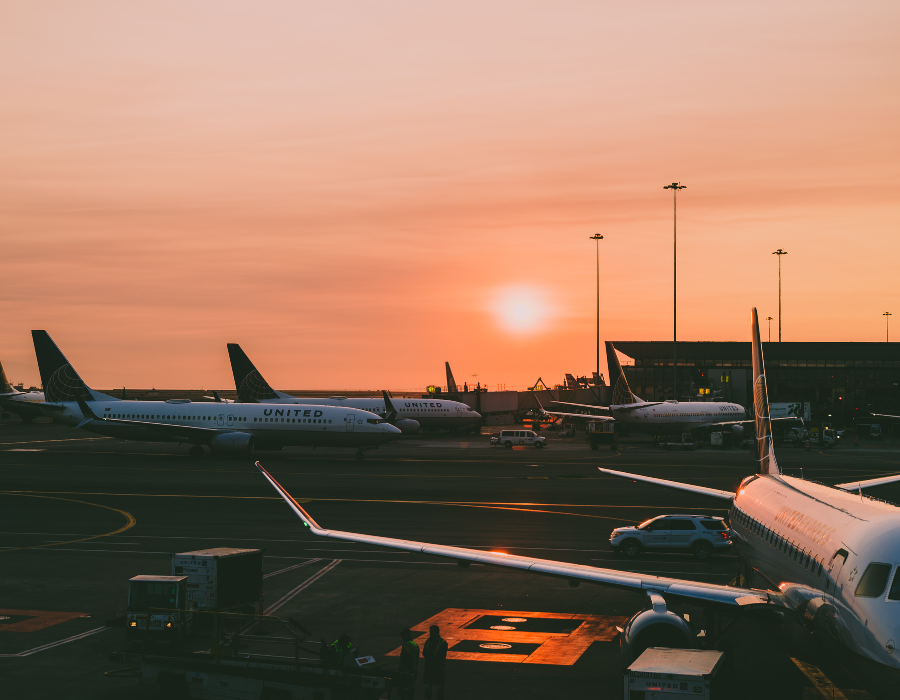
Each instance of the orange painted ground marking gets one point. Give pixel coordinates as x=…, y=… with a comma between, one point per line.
x=39, y=619
x=556, y=648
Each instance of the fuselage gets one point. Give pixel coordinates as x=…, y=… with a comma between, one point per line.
x=814, y=544
x=274, y=425
x=677, y=415
x=429, y=413
x=23, y=403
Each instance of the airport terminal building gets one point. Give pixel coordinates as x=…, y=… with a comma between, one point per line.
x=841, y=379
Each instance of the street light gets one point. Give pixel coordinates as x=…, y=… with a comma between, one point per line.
x=597, y=237
x=675, y=186
x=887, y=323
x=769, y=319
x=779, y=253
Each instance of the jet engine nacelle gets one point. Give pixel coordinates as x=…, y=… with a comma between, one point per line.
x=656, y=627
x=407, y=426
x=235, y=443
x=737, y=432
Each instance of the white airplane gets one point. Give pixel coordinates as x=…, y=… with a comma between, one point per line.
x=653, y=416
x=22, y=403
x=407, y=414
x=224, y=428
x=827, y=555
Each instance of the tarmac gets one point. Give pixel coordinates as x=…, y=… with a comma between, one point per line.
x=80, y=515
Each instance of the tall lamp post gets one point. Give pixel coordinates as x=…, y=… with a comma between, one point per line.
x=597, y=237
x=779, y=253
x=675, y=186
x=887, y=326
x=769, y=319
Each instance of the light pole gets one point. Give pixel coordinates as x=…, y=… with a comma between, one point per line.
x=779, y=253
x=887, y=326
x=597, y=237
x=769, y=319
x=675, y=186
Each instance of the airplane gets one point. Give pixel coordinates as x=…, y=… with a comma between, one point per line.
x=821, y=554
x=544, y=414
x=409, y=414
x=21, y=403
x=224, y=428
x=652, y=416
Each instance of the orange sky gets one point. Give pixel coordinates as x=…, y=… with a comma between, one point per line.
x=352, y=191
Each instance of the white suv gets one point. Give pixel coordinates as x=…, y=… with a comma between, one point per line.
x=700, y=534
x=508, y=438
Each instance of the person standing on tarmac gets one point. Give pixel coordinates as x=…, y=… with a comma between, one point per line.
x=409, y=666
x=435, y=654
x=336, y=653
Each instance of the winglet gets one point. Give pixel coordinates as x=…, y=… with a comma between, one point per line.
x=390, y=412
x=302, y=514
x=765, y=449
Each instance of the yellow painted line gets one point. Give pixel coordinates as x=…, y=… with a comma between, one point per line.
x=819, y=680
x=30, y=442
x=129, y=521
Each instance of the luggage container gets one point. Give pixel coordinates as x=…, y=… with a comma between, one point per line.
x=673, y=674
x=223, y=578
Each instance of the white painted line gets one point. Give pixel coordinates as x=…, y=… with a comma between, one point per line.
x=291, y=568
x=27, y=449
x=54, y=644
x=306, y=584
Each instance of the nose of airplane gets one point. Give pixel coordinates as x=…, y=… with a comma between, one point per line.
x=475, y=414
x=391, y=429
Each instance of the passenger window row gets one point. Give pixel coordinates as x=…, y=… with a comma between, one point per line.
x=141, y=416
x=798, y=554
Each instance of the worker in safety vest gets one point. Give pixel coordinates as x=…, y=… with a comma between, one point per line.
x=337, y=651
x=435, y=654
x=409, y=666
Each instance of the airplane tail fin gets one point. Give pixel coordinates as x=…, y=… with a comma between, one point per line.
x=250, y=385
x=621, y=392
x=390, y=411
x=765, y=452
x=452, y=388
x=5, y=386
x=61, y=381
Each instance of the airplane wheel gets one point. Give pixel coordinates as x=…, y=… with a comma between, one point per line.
x=196, y=452
x=360, y=456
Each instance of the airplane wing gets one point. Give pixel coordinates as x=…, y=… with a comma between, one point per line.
x=168, y=429
x=582, y=416
x=885, y=415
x=705, y=491
x=581, y=405
x=857, y=485
x=708, y=592
x=744, y=422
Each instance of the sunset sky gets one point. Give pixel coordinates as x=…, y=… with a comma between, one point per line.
x=359, y=191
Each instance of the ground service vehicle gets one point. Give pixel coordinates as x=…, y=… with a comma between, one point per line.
x=700, y=534
x=156, y=592
x=509, y=438
x=223, y=578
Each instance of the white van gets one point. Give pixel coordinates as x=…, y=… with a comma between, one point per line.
x=508, y=438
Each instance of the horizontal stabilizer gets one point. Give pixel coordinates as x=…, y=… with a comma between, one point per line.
x=703, y=490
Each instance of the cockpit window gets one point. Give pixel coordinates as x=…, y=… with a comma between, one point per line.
x=894, y=593
x=374, y=420
x=873, y=580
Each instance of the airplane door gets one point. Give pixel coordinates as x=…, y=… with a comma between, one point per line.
x=229, y=420
x=833, y=587
x=348, y=420
x=220, y=419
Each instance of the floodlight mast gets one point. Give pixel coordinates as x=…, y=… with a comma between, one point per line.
x=769, y=319
x=597, y=237
x=675, y=186
x=779, y=253
x=887, y=326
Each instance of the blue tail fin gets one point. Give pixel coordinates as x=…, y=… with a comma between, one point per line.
x=765, y=452
x=61, y=381
x=250, y=385
x=621, y=392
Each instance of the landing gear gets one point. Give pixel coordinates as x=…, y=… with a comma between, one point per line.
x=360, y=455
x=196, y=452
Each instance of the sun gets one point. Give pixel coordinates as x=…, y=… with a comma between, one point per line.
x=521, y=309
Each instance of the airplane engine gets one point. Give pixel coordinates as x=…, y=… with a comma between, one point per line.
x=407, y=426
x=234, y=443
x=737, y=433
x=656, y=627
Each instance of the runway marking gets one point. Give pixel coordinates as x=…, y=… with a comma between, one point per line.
x=819, y=680
x=286, y=598
x=40, y=442
x=561, y=648
x=129, y=520
x=291, y=568
x=26, y=449
x=37, y=619
x=54, y=644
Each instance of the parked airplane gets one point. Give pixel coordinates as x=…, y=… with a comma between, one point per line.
x=655, y=416
x=224, y=428
x=22, y=403
x=409, y=414
x=821, y=554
